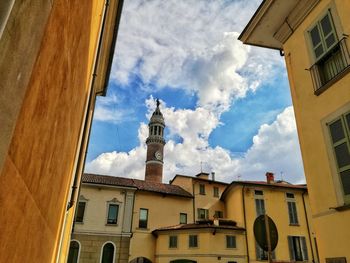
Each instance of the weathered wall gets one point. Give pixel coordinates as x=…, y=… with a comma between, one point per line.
x=39, y=164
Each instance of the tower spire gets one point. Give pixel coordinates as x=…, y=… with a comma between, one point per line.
x=155, y=146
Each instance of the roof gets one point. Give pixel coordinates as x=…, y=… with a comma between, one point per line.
x=199, y=225
x=140, y=185
x=277, y=184
x=198, y=179
x=275, y=21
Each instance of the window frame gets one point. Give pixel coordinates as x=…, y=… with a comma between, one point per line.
x=202, y=189
x=216, y=192
x=302, y=246
x=346, y=129
x=79, y=250
x=194, y=237
x=173, y=241
x=259, y=198
x=147, y=214
x=183, y=214
x=109, y=204
x=114, y=250
x=231, y=239
x=292, y=209
x=77, y=210
x=206, y=213
x=219, y=214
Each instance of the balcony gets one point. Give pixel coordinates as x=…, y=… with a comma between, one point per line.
x=331, y=67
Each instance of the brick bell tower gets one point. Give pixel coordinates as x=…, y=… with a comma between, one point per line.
x=155, y=146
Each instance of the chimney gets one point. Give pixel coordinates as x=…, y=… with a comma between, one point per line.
x=213, y=176
x=270, y=178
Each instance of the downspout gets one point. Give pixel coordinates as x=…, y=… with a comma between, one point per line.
x=308, y=228
x=194, y=205
x=245, y=223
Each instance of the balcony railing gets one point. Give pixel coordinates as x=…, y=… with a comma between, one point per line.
x=330, y=66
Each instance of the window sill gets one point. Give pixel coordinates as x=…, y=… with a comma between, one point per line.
x=291, y=224
x=341, y=208
x=142, y=229
x=108, y=224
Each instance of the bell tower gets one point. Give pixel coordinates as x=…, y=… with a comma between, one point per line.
x=155, y=146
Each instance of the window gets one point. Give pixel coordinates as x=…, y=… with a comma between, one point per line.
x=112, y=217
x=260, y=253
x=202, y=189
x=183, y=218
x=297, y=248
x=340, y=140
x=172, y=241
x=79, y=216
x=259, y=202
x=73, y=254
x=107, y=253
x=330, y=54
x=292, y=209
x=230, y=241
x=193, y=241
x=219, y=214
x=143, y=218
x=203, y=213
x=216, y=191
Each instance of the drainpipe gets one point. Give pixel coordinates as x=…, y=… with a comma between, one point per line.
x=245, y=223
x=308, y=228
x=194, y=205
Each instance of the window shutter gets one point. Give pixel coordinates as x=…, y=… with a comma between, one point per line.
x=291, y=248
x=304, y=248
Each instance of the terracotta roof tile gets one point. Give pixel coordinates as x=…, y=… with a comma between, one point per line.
x=138, y=184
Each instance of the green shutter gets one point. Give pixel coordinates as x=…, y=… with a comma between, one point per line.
x=291, y=248
x=304, y=248
x=323, y=36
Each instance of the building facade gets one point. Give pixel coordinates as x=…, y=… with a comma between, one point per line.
x=190, y=220
x=313, y=37
x=55, y=59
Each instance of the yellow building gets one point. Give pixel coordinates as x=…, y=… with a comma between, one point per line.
x=55, y=58
x=313, y=37
x=286, y=204
x=102, y=227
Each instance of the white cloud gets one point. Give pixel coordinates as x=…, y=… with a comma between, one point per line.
x=192, y=45
x=275, y=148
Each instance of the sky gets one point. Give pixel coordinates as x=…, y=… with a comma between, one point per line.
x=227, y=106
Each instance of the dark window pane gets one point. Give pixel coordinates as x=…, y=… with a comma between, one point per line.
x=290, y=195
x=319, y=51
x=315, y=36
x=112, y=214
x=230, y=241
x=193, y=241
x=258, y=192
x=108, y=253
x=337, y=131
x=345, y=178
x=73, y=252
x=173, y=241
x=330, y=40
x=143, y=218
x=342, y=154
x=80, y=212
x=326, y=25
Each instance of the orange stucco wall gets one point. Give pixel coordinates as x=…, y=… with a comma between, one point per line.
x=39, y=165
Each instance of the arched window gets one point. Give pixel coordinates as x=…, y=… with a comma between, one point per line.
x=73, y=255
x=140, y=260
x=108, y=253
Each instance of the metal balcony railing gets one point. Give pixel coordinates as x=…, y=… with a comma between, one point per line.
x=333, y=63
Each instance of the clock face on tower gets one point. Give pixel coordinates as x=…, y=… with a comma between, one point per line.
x=158, y=155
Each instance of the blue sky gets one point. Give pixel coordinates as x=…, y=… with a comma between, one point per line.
x=226, y=105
